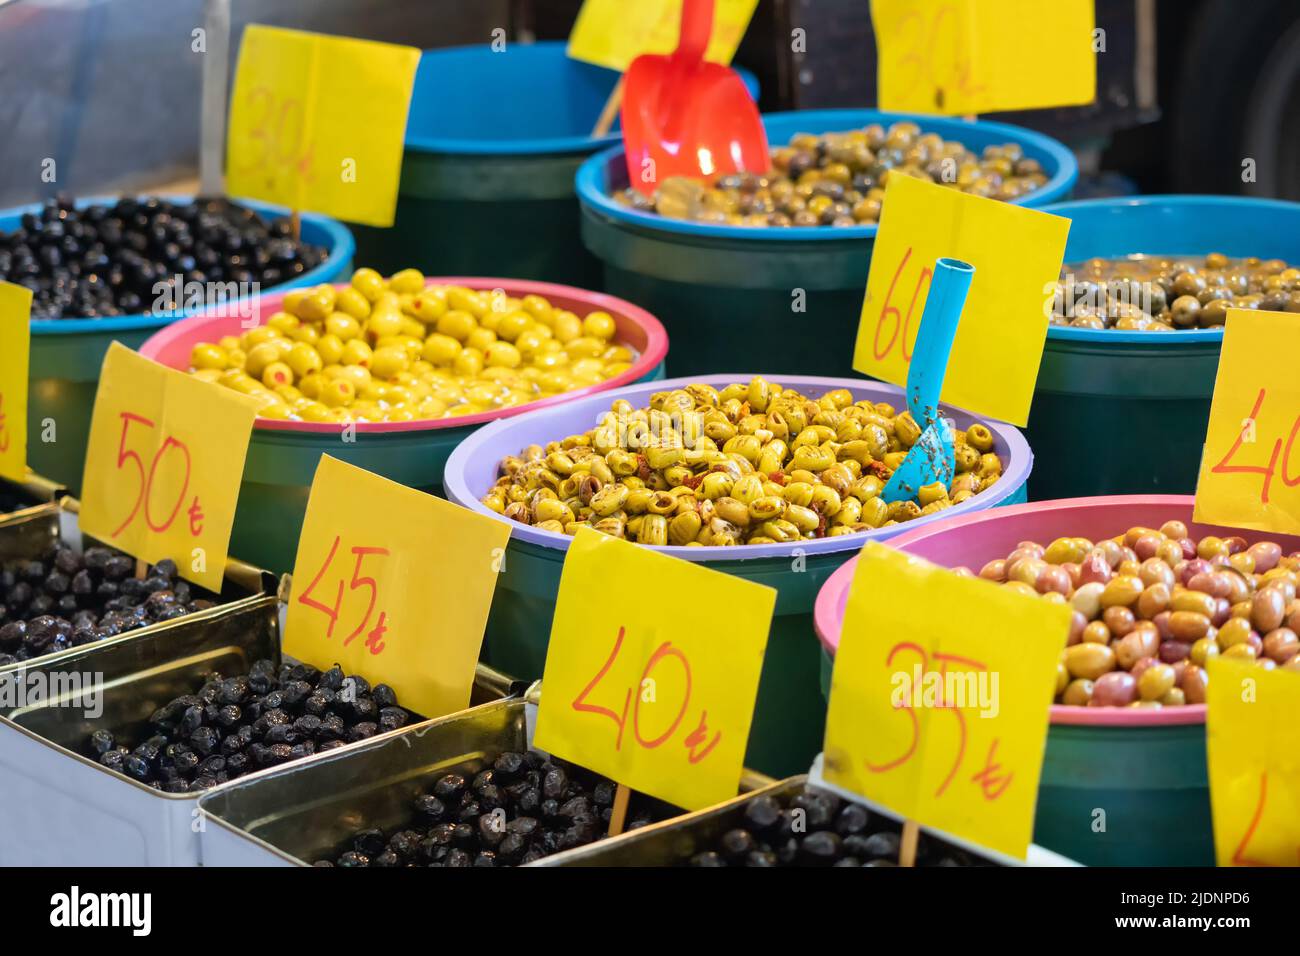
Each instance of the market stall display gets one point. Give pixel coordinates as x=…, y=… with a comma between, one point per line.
x=788, y=722
x=737, y=291
x=493, y=140
x=283, y=454
x=72, y=250
x=1145, y=765
x=1103, y=394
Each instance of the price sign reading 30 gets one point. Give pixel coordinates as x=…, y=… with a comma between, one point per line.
x=652, y=670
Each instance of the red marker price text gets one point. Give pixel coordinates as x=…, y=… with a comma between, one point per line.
x=1248, y=435
x=173, y=454
x=359, y=560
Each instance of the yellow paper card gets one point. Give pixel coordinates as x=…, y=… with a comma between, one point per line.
x=1251, y=719
x=317, y=123
x=15, y=341
x=164, y=464
x=1017, y=255
x=1250, y=467
x=957, y=57
x=613, y=33
x=394, y=584
x=940, y=698
x=652, y=670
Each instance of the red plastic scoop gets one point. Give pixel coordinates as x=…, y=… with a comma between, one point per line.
x=683, y=116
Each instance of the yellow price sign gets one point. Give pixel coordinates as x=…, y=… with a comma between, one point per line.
x=1254, y=764
x=164, y=464
x=1017, y=255
x=317, y=123
x=934, y=712
x=393, y=583
x=958, y=57
x=15, y=342
x=652, y=670
x=613, y=33
x=1250, y=468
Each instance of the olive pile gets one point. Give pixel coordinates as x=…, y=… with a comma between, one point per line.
x=399, y=350
x=105, y=260
x=1166, y=293
x=66, y=599
x=521, y=808
x=817, y=828
x=232, y=726
x=838, y=179
x=1152, y=606
x=751, y=464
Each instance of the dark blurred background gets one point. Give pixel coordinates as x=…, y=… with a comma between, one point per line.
x=1188, y=90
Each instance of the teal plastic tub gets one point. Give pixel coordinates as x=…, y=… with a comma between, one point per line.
x=66, y=354
x=789, y=718
x=493, y=141
x=741, y=294
x=283, y=455
x=1119, y=787
x=1126, y=412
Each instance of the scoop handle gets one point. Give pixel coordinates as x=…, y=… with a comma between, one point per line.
x=948, y=290
x=697, y=28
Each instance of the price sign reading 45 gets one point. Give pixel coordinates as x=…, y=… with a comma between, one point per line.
x=164, y=464
x=934, y=713
x=15, y=339
x=1254, y=765
x=652, y=670
x=1250, y=470
x=394, y=584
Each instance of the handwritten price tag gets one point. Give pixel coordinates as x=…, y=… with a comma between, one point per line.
x=1250, y=470
x=1017, y=255
x=653, y=670
x=393, y=583
x=613, y=33
x=959, y=57
x=1254, y=765
x=317, y=123
x=15, y=341
x=163, y=465
x=934, y=711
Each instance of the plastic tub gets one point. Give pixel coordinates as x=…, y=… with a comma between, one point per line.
x=1144, y=769
x=735, y=291
x=790, y=714
x=282, y=455
x=66, y=354
x=493, y=141
x=1141, y=398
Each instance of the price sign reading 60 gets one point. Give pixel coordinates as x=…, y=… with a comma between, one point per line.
x=164, y=464
x=646, y=680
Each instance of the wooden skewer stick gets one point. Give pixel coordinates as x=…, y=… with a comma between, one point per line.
x=141, y=569
x=607, y=115
x=907, y=849
x=619, y=815
x=295, y=225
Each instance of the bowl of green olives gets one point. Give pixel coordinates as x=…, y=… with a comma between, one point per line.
x=1135, y=326
x=779, y=259
x=1151, y=602
x=695, y=467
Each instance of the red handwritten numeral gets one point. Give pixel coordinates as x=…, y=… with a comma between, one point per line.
x=4, y=429
x=278, y=128
x=144, y=497
x=357, y=582
x=306, y=599
x=580, y=704
x=1268, y=471
x=900, y=324
x=920, y=48
x=367, y=582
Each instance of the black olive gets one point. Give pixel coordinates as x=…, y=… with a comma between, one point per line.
x=708, y=859
x=353, y=858
x=761, y=858
x=853, y=818
x=762, y=812
x=430, y=807
x=738, y=843
x=555, y=783
x=884, y=844
x=391, y=718
x=102, y=742
x=507, y=765
x=449, y=786
x=331, y=679
x=369, y=842
x=819, y=807
x=820, y=848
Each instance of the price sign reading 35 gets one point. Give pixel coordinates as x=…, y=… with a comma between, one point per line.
x=164, y=464
x=652, y=670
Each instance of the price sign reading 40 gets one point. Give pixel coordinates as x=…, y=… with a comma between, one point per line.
x=1250, y=470
x=935, y=714
x=652, y=670
x=394, y=584
x=15, y=339
x=164, y=464
x=1254, y=765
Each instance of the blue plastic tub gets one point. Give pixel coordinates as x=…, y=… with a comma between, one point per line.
x=1126, y=412
x=67, y=354
x=731, y=294
x=493, y=141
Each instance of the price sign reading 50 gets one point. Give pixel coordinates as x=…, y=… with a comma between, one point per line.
x=638, y=685
x=164, y=464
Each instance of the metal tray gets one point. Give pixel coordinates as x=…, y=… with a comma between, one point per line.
x=59, y=807
x=296, y=815
x=35, y=491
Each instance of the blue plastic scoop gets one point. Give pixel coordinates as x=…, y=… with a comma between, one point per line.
x=931, y=459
